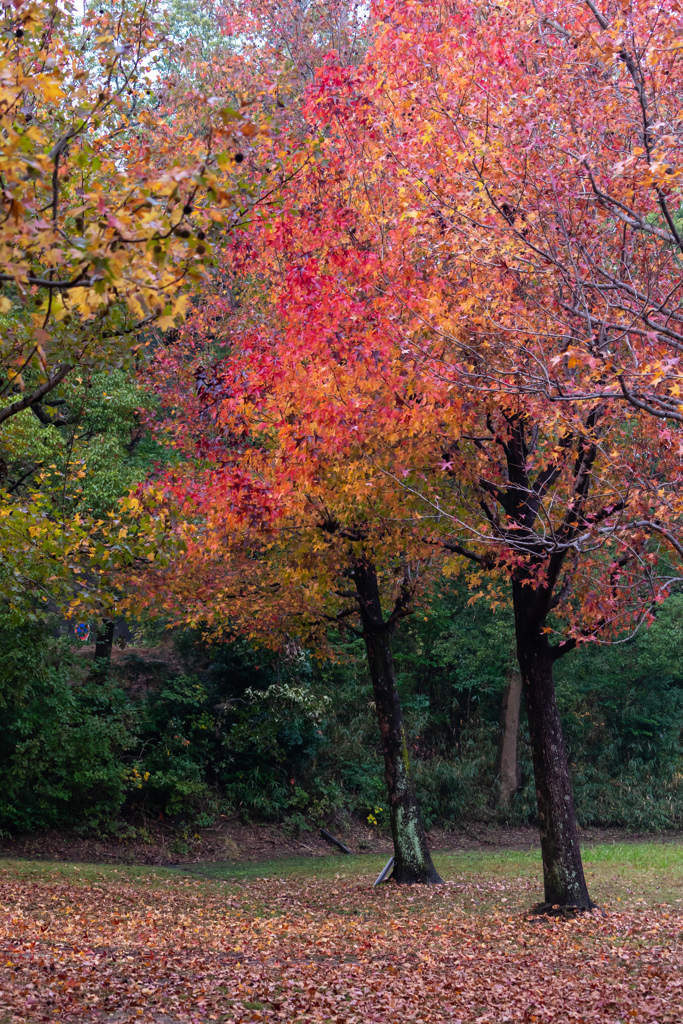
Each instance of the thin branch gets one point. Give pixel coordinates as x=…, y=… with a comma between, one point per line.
x=646, y=524
x=483, y=560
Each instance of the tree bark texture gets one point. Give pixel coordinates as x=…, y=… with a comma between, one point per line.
x=508, y=774
x=412, y=859
x=563, y=877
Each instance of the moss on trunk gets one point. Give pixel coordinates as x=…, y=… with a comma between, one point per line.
x=412, y=859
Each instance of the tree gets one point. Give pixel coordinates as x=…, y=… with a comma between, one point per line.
x=412, y=860
x=105, y=216
x=482, y=239
x=279, y=51
x=508, y=775
x=282, y=524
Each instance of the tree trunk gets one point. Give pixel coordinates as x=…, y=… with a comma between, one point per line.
x=507, y=767
x=104, y=639
x=412, y=860
x=563, y=876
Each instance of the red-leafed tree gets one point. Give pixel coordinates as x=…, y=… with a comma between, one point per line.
x=289, y=526
x=467, y=145
x=282, y=528
x=429, y=319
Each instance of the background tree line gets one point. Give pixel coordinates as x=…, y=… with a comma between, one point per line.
x=233, y=729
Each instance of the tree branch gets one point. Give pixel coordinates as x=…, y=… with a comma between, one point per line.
x=646, y=524
x=484, y=561
x=638, y=404
x=37, y=395
x=564, y=647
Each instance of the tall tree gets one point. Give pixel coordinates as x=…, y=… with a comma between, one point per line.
x=508, y=775
x=483, y=241
x=293, y=533
x=278, y=51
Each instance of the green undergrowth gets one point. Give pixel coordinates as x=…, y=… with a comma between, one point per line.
x=229, y=729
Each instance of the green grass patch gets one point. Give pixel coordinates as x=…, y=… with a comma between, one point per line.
x=624, y=857
x=44, y=871
x=627, y=873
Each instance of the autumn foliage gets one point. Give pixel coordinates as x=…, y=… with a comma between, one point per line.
x=96, y=236
x=276, y=949
x=406, y=301
x=436, y=343
x=413, y=274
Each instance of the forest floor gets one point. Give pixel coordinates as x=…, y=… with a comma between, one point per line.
x=306, y=941
x=230, y=839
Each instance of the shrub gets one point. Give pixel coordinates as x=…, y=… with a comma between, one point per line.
x=62, y=739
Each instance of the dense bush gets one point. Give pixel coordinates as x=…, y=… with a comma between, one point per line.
x=623, y=715
x=288, y=737
x=63, y=740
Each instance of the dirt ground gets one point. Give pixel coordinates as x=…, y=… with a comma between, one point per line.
x=233, y=840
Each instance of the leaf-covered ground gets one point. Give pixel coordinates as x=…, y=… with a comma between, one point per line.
x=105, y=945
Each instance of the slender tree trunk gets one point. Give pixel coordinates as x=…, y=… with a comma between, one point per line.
x=563, y=876
x=412, y=859
x=104, y=638
x=507, y=767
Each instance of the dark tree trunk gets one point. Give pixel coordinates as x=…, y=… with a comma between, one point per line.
x=508, y=776
x=563, y=876
x=536, y=567
x=412, y=860
x=104, y=639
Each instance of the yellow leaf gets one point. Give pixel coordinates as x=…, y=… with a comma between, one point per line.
x=5, y=304
x=180, y=306
x=51, y=89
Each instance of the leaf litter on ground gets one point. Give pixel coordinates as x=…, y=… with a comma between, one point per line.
x=164, y=949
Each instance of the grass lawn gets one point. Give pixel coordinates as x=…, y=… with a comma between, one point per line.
x=309, y=939
x=618, y=872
